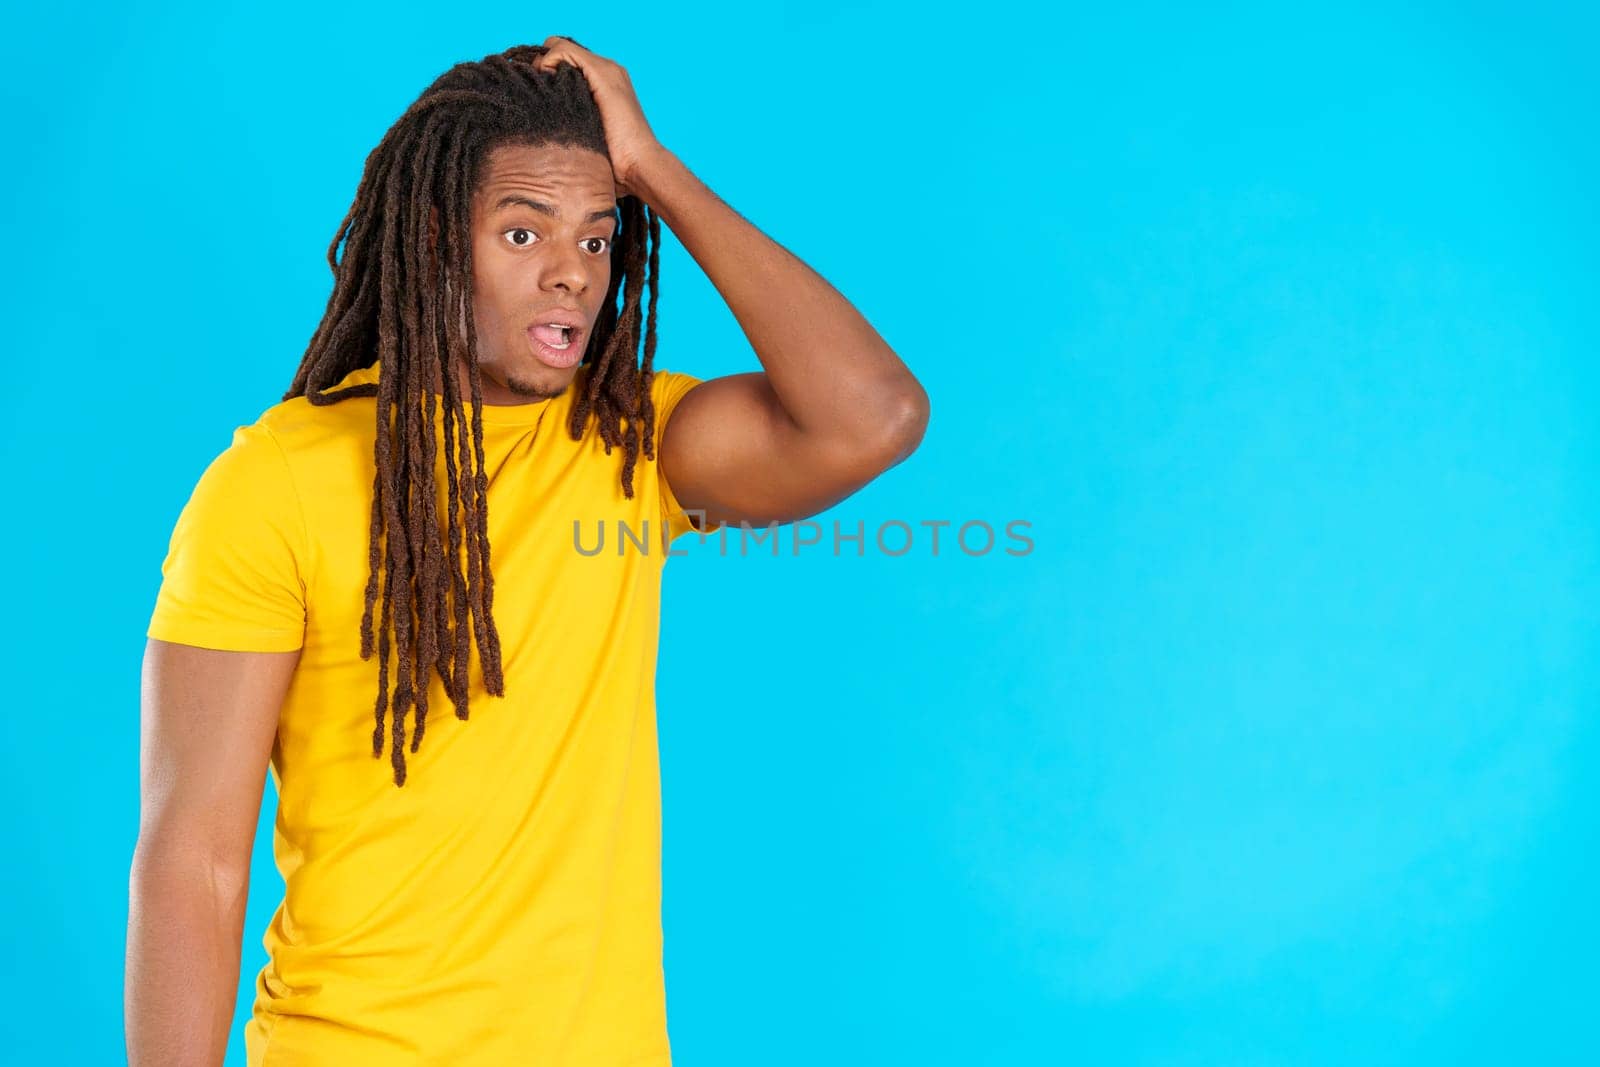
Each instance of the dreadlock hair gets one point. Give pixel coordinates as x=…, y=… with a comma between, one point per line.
x=397, y=299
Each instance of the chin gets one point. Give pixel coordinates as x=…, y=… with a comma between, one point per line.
x=544, y=384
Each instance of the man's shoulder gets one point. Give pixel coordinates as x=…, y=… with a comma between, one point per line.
x=301, y=427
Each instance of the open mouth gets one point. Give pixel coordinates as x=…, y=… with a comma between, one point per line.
x=557, y=337
x=555, y=345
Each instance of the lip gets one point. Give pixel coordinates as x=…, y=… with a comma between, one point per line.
x=570, y=317
x=559, y=358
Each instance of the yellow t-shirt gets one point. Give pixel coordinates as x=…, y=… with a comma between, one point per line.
x=503, y=906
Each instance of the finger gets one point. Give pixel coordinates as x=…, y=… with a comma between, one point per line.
x=553, y=56
x=558, y=50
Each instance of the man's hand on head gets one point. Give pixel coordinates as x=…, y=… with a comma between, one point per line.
x=629, y=139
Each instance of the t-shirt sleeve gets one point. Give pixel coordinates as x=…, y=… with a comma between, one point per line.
x=233, y=577
x=668, y=388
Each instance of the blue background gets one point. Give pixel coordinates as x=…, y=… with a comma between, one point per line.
x=1278, y=327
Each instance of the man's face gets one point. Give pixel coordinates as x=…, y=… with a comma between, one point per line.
x=543, y=220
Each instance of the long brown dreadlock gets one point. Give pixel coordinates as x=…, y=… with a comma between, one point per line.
x=394, y=299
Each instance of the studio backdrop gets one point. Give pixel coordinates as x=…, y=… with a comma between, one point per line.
x=1215, y=684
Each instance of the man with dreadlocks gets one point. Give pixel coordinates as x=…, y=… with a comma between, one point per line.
x=491, y=897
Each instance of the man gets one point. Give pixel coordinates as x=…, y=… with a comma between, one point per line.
x=491, y=896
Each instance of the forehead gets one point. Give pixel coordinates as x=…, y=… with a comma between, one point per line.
x=553, y=170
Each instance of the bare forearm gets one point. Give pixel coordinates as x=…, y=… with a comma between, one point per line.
x=185, y=922
x=832, y=372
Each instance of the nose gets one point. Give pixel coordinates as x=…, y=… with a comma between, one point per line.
x=564, y=268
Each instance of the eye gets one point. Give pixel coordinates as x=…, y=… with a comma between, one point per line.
x=522, y=230
x=605, y=244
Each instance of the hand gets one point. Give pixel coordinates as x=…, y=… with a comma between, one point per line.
x=629, y=139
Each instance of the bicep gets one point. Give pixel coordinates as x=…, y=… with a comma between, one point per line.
x=207, y=722
x=731, y=450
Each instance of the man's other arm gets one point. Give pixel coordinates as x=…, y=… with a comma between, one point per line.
x=208, y=719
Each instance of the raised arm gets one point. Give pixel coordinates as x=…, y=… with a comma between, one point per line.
x=207, y=723
x=833, y=407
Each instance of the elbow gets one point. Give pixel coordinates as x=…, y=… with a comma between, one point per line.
x=884, y=432
x=183, y=865
x=905, y=423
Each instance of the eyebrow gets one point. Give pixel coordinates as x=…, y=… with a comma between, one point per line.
x=543, y=208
